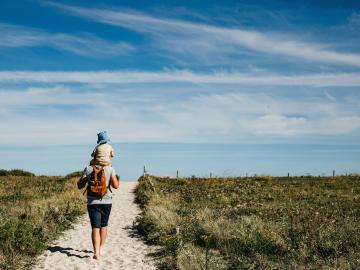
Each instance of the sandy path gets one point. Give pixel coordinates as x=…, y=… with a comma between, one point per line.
x=74, y=249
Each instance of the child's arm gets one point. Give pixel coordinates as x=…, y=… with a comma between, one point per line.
x=112, y=152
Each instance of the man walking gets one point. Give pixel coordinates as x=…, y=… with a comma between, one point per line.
x=100, y=180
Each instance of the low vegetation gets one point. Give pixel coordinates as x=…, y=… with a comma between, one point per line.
x=76, y=174
x=15, y=172
x=252, y=223
x=34, y=210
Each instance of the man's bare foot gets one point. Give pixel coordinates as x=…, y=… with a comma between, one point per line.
x=96, y=257
x=100, y=251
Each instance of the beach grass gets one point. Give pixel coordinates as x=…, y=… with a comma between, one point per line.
x=34, y=210
x=253, y=222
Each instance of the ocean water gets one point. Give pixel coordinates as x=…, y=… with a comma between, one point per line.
x=191, y=159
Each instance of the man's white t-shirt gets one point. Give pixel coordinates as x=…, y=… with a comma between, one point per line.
x=109, y=171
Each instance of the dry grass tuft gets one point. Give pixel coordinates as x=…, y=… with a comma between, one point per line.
x=191, y=257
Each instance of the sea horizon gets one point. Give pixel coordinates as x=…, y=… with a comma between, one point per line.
x=191, y=159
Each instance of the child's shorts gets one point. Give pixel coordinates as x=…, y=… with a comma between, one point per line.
x=96, y=162
x=99, y=214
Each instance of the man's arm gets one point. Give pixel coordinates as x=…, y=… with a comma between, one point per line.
x=114, y=181
x=82, y=182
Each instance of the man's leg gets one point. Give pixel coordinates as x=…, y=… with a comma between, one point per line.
x=106, y=209
x=95, y=220
x=95, y=237
x=103, y=233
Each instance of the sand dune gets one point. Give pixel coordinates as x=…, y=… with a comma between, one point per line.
x=73, y=250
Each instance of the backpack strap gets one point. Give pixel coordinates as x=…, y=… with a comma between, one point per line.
x=109, y=186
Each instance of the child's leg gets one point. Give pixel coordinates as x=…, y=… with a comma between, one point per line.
x=93, y=162
x=104, y=163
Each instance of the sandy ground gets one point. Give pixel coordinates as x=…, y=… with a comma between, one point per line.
x=73, y=250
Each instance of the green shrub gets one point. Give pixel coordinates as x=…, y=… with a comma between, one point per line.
x=76, y=174
x=252, y=223
x=37, y=209
x=15, y=172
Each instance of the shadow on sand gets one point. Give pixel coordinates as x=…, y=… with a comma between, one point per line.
x=69, y=251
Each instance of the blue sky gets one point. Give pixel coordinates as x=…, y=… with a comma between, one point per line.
x=214, y=72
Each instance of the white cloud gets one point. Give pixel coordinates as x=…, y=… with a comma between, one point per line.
x=12, y=36
x=278, y=124
x=68, y=116
x=179, y=76
x=236, y=114
x=208, y=41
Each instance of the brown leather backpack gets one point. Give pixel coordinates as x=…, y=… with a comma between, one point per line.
x=97, y=184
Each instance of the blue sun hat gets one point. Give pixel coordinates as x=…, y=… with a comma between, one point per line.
x=102, y=137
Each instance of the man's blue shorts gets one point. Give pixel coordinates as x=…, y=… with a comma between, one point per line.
x=99, y=214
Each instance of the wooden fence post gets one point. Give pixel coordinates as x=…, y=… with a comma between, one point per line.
x=144, y=174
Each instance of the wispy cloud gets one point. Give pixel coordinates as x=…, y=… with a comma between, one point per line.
x=329, y=96
x=85, y=44
x=179, y=76
x=229, y=117
x=263, y=114
x=206, y=41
